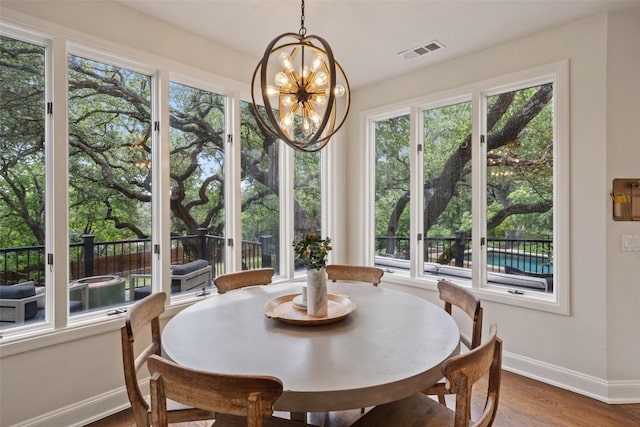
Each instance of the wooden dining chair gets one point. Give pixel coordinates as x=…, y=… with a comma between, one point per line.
x=454, y=295
x=462, y=372
x=357, y=273
x=238, y=400
x=143, y=317
x=241, y=279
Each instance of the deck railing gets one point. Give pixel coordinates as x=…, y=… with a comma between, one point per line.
x=124, y=257
x=529, y=255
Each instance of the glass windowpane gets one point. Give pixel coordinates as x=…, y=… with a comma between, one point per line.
x=22, y=180
x=392, y=195
x=109, y=181
x=520, y=187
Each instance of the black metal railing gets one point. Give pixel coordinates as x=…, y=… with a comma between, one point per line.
x=124, y=257
x=527, y=255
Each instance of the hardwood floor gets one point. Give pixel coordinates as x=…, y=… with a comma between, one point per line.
x=523, y=402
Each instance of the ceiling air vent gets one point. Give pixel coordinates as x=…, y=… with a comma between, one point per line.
x=421, y=50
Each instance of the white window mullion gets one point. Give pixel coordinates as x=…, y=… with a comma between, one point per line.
x=416, y=204
x=160, y=200
x=232, y=171
x=58, y=188
x=479, y=181
x=286, y=210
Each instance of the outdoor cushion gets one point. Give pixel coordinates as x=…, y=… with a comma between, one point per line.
x=177, y=285
x=20, y=292
x=181, y=270
x=142, y=292
x=17, y=291
x=75, y=306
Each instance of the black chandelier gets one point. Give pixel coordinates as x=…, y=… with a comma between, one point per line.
x=304, y=90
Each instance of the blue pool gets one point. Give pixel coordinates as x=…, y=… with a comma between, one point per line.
x=525, y=262
x=529, y=263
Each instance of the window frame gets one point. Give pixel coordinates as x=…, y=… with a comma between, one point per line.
x=45, y=41
x=556, y=73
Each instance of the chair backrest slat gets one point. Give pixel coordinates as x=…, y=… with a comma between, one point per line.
x=356, y=273
x=241, y=279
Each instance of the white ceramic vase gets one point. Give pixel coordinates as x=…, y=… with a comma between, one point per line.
x=317, y=299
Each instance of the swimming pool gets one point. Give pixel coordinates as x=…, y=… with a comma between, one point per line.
x=529, y=263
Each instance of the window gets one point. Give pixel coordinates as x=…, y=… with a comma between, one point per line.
x=392, y=196
x=486, y=194
x=110, y=145
x=197, y=120
x=260, y=189
x=519, y=186
x=447, y=185
x=23, y=186
x=307, y=193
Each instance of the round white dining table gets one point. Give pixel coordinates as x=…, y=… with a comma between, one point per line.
x=391, y=346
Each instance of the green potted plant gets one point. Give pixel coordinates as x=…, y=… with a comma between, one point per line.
x=313, y=250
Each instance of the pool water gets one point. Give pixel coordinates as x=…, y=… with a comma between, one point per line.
x=525, y=262
x=528, y=263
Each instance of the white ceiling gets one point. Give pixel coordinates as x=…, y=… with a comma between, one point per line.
x=367, y=35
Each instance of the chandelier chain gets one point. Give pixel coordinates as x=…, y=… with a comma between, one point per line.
x=303, y=29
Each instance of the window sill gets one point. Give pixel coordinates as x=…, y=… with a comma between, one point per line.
x=80, y=326
x=502, y=295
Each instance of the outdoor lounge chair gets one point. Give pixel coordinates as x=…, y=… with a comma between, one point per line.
x=19, y=303
x=194, y=274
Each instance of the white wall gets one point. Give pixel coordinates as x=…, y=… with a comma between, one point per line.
x=623, y=161
x=594, y=350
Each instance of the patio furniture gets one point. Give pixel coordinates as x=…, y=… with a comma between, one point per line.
x=143, y=317
x=548, y=277
x=241, y=279
x=237, y=400
x=357, y=273
x=19, y=303
x=194, y=274
x=462, y=372
x=98, y=291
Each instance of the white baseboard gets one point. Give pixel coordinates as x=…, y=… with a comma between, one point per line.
x=587, y=385
x=83, y=412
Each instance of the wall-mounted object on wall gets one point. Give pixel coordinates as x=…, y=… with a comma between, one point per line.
x=626, y=199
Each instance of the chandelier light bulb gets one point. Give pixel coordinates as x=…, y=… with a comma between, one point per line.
x=286, y=121
x=320, y=100
x=315, y=118
x=320, y=79
x=281, y=79
x=286, y=100
x=285, y=60
x=339, y=91
x=317, y=62
x=272, y=91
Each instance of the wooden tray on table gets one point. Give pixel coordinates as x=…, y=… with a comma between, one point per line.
x=282, y=308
